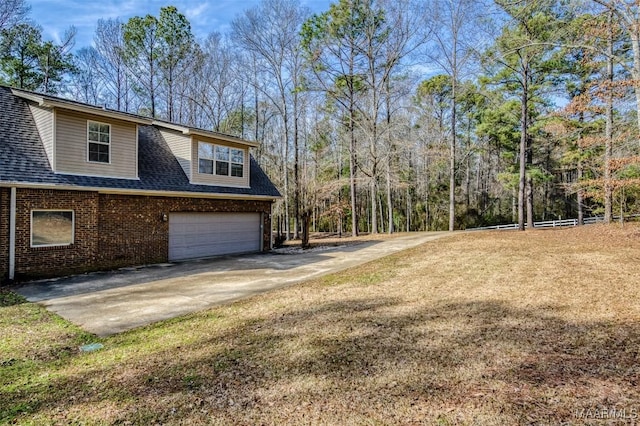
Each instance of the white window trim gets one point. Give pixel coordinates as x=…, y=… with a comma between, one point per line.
x=214, y=159
x=215, y=164
x=73, y=228
x=231, y=163
x=99, y=143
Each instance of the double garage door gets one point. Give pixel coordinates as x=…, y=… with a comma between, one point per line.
x=194, y=235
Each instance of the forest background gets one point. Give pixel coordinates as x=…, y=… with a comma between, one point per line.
x=382, y=115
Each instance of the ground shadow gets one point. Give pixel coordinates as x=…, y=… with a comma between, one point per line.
x=371, y=360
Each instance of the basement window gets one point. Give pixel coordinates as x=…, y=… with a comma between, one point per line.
x=52, y=228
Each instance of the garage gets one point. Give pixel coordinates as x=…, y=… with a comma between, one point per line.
x=194, y=235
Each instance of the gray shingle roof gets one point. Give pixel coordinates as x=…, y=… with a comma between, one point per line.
x=23, y=160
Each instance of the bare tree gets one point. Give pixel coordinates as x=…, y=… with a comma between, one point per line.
x=333, y=42
x=405, y=37
x=86, y=83
x=608, y=150
x=12, y=12
x=454, y=42
x=221, y=95
x=271, y=32
x=109, y=43
x=628, y=15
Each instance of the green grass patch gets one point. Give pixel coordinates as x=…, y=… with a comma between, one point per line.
x=9, y=298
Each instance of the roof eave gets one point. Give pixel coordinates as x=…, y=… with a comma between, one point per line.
x=47, y=102
x=199, y=132
x=156, y=193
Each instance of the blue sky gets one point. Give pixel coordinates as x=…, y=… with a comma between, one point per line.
x=56, y=16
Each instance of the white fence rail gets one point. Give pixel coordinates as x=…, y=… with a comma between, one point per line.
x=555, y=223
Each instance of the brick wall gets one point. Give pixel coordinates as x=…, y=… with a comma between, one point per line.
x=61, y=260
x=132, y=231
x=4, y=234
x=111, y=231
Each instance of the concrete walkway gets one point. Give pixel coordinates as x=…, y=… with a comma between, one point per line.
x=112, y=302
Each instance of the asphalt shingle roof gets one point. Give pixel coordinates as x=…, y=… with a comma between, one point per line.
x=23, y=160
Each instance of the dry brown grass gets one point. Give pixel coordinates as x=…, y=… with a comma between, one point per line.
x=482, y=328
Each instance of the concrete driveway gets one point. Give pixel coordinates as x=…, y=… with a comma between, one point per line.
x=111, y=302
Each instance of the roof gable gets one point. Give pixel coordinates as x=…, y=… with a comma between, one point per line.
x=23, y=161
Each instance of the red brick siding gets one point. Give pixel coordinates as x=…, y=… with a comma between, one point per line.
x=4, y=233
x=132, y=231
x=111, y=231
x=61, y=260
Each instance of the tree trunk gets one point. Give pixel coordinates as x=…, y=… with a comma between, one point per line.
x=467, y=180
x=352, y=169
x=529, y=185
x=408, y=210
x=287, y=219
x=427, y=195
x=608, y=149
x=524, y=126
x=381, y=214
x=635, y=45
x=452, y=158
x=390, y=159
x=152, y=92
x=389, y=199
x=170, y=96
x=305, y=230
x=296, y=162
x=580, y=193
x=374, y=207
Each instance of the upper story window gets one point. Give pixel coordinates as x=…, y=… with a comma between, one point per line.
x=220, y=160
x=99, y=141
x=237, y=162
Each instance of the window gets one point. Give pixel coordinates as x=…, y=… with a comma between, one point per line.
x=99, y=139
x=220, y=160
x=237, y=162
x=205, y=158
x=52, y=228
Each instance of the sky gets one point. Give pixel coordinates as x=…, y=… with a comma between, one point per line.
x=56, y=16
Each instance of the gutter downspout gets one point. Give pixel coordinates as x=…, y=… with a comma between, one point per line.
x=12, y=235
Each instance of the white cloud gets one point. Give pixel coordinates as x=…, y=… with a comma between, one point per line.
x=196, y=12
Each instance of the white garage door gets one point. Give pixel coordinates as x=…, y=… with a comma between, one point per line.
x=193, y=235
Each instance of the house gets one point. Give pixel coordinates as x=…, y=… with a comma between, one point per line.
x=84, y=188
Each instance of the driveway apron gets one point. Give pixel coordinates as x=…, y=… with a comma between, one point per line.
x=107, y=303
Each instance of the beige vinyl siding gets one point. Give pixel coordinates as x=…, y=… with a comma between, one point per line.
x=71, y=146
x=43, y=118
x=180, y=146
x=208, y=179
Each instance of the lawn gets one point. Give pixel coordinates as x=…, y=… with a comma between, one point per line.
x=504, y=328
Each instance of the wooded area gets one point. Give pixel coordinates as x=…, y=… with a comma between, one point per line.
x=387, y=115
